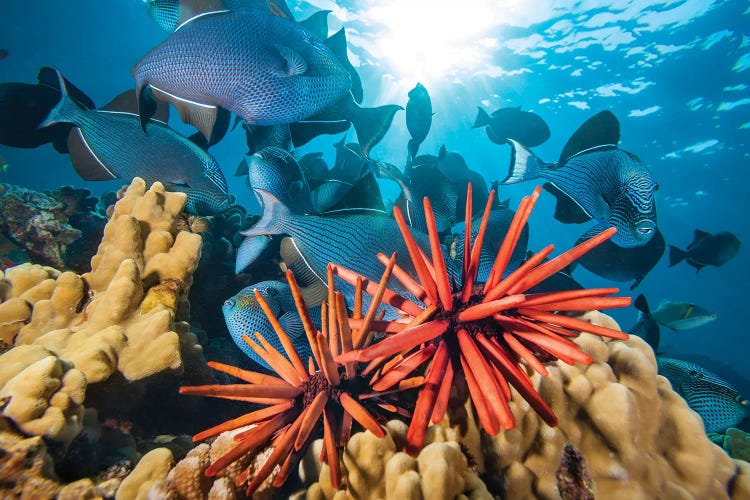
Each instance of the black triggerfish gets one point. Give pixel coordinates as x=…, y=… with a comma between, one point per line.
x=109, y=144
x=266, y=69
x=594, y=179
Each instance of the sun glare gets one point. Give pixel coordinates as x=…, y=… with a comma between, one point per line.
x=428, y=40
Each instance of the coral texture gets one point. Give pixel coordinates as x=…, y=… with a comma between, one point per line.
x=37, y=222
x=153, y=467
x=127, y=315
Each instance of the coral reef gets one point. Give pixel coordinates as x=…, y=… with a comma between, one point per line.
x=126, y=317
x=54, y=228
x=622, y=433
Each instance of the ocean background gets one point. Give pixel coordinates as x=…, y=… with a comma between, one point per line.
x=675, y=73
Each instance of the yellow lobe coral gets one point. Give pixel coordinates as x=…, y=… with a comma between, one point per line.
x=152, y=468
x=125, y=314
x=44, y=394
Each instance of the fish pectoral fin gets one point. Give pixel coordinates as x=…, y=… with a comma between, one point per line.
x=212, y=121
x=295, y=63
x=249, y=251
x=312, y=283
x=291, y=322
x=88, y=165
x=567, y=210
x=127, y=102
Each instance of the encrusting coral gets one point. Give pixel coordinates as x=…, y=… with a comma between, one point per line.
x=127, y=315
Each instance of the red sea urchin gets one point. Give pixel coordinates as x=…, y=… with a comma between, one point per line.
x=482, y=331
x=301, y=398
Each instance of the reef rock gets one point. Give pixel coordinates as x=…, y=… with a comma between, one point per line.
x=126, y=316
x=52, y=228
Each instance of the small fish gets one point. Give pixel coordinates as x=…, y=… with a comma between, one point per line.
x=418, y=118
x=109, y=144
x=681, y=316
x=718, y=403
x=4, y=53
x=594, y=179
x=244, y=316
x=511, y=123
x=280, y=72
x=24, y=106
x=622, y=264
x=3, y=165
x=646, y=326
x=706, y=250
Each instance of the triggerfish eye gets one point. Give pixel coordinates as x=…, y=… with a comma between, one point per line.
x=645, y=227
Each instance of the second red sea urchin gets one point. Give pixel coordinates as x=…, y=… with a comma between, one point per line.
x=481, y=332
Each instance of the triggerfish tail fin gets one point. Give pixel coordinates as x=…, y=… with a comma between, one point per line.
x=249, y=251
x=676, y=255
x=524, y=165
x=482, y=119
x=642, y=305
x=64, y=111
x=371, y=124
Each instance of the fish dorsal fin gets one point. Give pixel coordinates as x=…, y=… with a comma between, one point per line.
x=279, y=8
x=567, y=210
x=338, y=45
x=313, y=284
x=295, y=63
x=698, y=235
x=127, y=102
x=317, y=24
x=191, y=10
x=88, y=165
x=599, y=130
x=212, y=121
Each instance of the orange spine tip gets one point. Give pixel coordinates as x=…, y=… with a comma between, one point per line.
x=310, y=416
x=286, y=342
x=487, y=309
x=247, y=376
x=584, y=304
x=426, y=401
x=400, y=371
x=561, y=261
x=441, y=274
x=441, y=402
x=503, y=286
x=484, y=378
x=364, y=334
x=246, y=419
x=525, y=354
x=332, y=456
x=304, y=312
x=420, y=265
x=358, y=413
x=576, y=324
x=330, y=370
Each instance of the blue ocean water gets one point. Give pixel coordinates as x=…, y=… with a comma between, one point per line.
x=675, y=73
